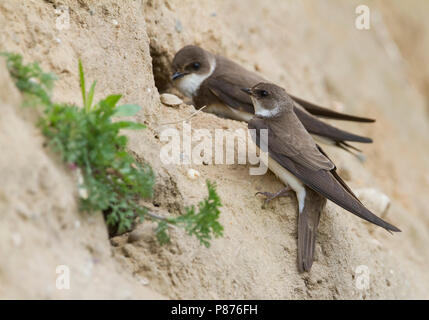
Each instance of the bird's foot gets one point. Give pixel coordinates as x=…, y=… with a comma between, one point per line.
x=287, y=191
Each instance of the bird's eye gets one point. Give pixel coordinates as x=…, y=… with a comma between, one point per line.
x=196, y=65
x=263, y=93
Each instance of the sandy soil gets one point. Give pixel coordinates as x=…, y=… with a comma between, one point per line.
x=314, y=51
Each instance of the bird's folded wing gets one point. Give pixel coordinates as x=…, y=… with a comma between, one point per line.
x=322, y=180
x=326, y=113
x=288, y=136
x=315, y=126
x=228, y=91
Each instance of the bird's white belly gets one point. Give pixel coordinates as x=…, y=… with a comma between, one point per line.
x=285, y=176
x=288, y=179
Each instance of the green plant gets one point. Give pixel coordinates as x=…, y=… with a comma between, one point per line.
x=201, y=224
x=89, y=141
x=30, y=79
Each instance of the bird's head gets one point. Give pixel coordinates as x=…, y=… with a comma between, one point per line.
x=191, y=66
x=269, y=100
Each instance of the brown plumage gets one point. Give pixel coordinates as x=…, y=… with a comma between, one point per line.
x=316, y=176
x=221, y=92
x=308, y=221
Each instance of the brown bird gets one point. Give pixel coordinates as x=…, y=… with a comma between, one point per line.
x=302, y=166
x=215, y=82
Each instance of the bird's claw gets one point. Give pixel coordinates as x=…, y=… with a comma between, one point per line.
x=271, y=196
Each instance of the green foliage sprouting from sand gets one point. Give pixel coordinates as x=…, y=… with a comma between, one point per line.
x=110, y=179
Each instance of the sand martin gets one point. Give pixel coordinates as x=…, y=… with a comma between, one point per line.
x=296, y=159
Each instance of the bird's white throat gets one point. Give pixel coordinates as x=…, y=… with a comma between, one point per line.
x=262, y=112
x=190, y=83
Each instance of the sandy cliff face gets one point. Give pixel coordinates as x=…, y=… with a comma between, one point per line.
x=41, y=227
x=314, y=51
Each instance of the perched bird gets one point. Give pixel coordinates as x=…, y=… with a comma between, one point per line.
x=215, y=82
x=296, y=159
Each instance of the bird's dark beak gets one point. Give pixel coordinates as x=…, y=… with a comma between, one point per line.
x=247, y=90
x=177, y=75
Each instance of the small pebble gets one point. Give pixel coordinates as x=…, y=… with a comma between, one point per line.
x=57, y=40
x=193, y=174
x=144, y=281
x=178, y=26
x=170, y=99
x=115, y=22
x=16, y=239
